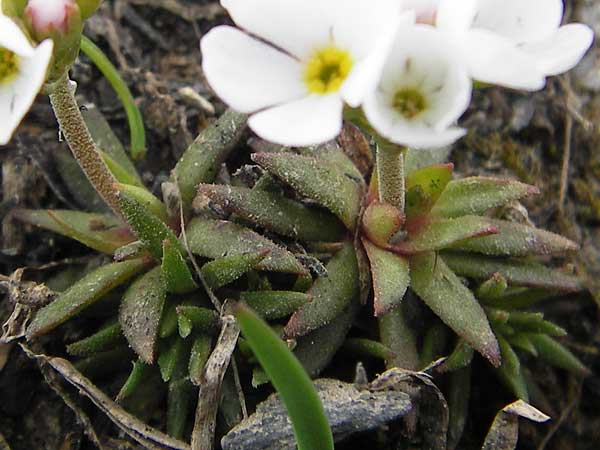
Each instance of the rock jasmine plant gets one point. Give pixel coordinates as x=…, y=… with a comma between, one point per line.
x=332, y=229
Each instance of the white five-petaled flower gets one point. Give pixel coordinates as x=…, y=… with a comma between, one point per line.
x=423, y=90
x=22, y=73
x=308, y=58
x=512, y=43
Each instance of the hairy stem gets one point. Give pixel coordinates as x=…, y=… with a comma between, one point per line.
x=390, y=172
x=81, y=143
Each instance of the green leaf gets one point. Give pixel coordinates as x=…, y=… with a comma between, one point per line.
x=176, y=273
x=291, y=381
x=82, y=294
x=105, y=339
x=522, y=273
x=534, y=323
x=381, y=221
x=179, y=403
x=223, y=271
x=202, y=160
x=146, y=199
x=103, y=233
x=391, y=277
x=443, y=233
x=273, y=212
x=274, y=305
x=218, y=238
x=511, y=375
x=432, y=179
x=171, y=362
x=476, y=195
x=461, y=357
x=522, y=342
x=556, y=354
x=331, y=294
x=120, y=173
x=202, y=320
x=199, y=356
x=332, y=153
x=360, y=348
x=139, y=373
x=515, y=239
x=150, y=230
x=321, y=181
x=435, y=283
x=140, y=313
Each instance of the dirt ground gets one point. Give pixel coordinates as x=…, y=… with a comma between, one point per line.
x=549, y=139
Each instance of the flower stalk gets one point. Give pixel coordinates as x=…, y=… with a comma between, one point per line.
x=390, y=173
x=81, y=143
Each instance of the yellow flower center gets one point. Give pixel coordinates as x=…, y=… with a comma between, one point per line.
x=327, y=70
x=9, y=65
x=409, y=102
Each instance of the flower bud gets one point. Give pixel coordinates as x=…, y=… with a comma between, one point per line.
x=47, y=18
x=381, y=222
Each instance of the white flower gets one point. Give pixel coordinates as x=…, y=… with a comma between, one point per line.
x=424, y=89
x=22, y=73
x=514, y=43
x=312, y=56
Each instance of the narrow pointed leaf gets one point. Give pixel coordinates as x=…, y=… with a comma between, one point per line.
x=176, y=273
x=436, y=284
x=391, y=277
x=360, y=348
x=333, y=154
x=218, y=238
x=82, y=294
x=105, y=339
x=444, y=233
x=139, y=372
x=178, y=407
x=534, y=323
x=461, y=357
x=556, y=354
x=320, y=181
x=331, y=294
x=522, y=273
x=146, y=199
x=273, y=212
x=432, y=179
x=150, y=230
x=274, y=305
x=476, y=195
x=140, y=313
x=521, y=341
x=202, y=160
x=172, y=360
x=121, y=174
x=223, y=271
x=202, y=320
x=511, y=374
x=295, y=388
x=515, y=239
x=101, y=232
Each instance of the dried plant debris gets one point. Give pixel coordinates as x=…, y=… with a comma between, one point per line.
x=349, y=409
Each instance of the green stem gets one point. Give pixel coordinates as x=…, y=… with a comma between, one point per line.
x=81, y=143
x=134, y=116
x=390, y=173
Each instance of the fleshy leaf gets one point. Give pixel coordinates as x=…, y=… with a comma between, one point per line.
x=332, y=153
x=320, y=181
x=218, y=238
x=274, y=305
x=150, y=230
x=82, y=294
x=275, y=213
x=515, y=239
x=391, y=277
x=101, y=232
x=203, y=320
x=476, y=195
x=556, y=354
x=432, y=180
x=171, y=360
x=176, y=273
x=522, y=273
x=295, y=388
x=140, y=313
x=146, y=199
x=105, y=339
x=223, y=271
x=331, y=294
x=443, y=233
x=435, y=283
x=202, y=160
x=120, y=173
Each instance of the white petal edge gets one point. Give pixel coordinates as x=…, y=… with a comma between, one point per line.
x=494, y=59
x=17, y=97
x=456, y=15
x=310, y=121
x=562, y=51
x=365, y=75
x=248, y=74
x=297, y=26
x=13, y=39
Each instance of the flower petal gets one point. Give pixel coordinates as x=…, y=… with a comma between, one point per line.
x=519, y=20
x=17, y=97
x=248, y=74
x=456, y=15
x=13, y=39
x=563, y=50
x=309, y=121
x=297, y=26
x=497, y=60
